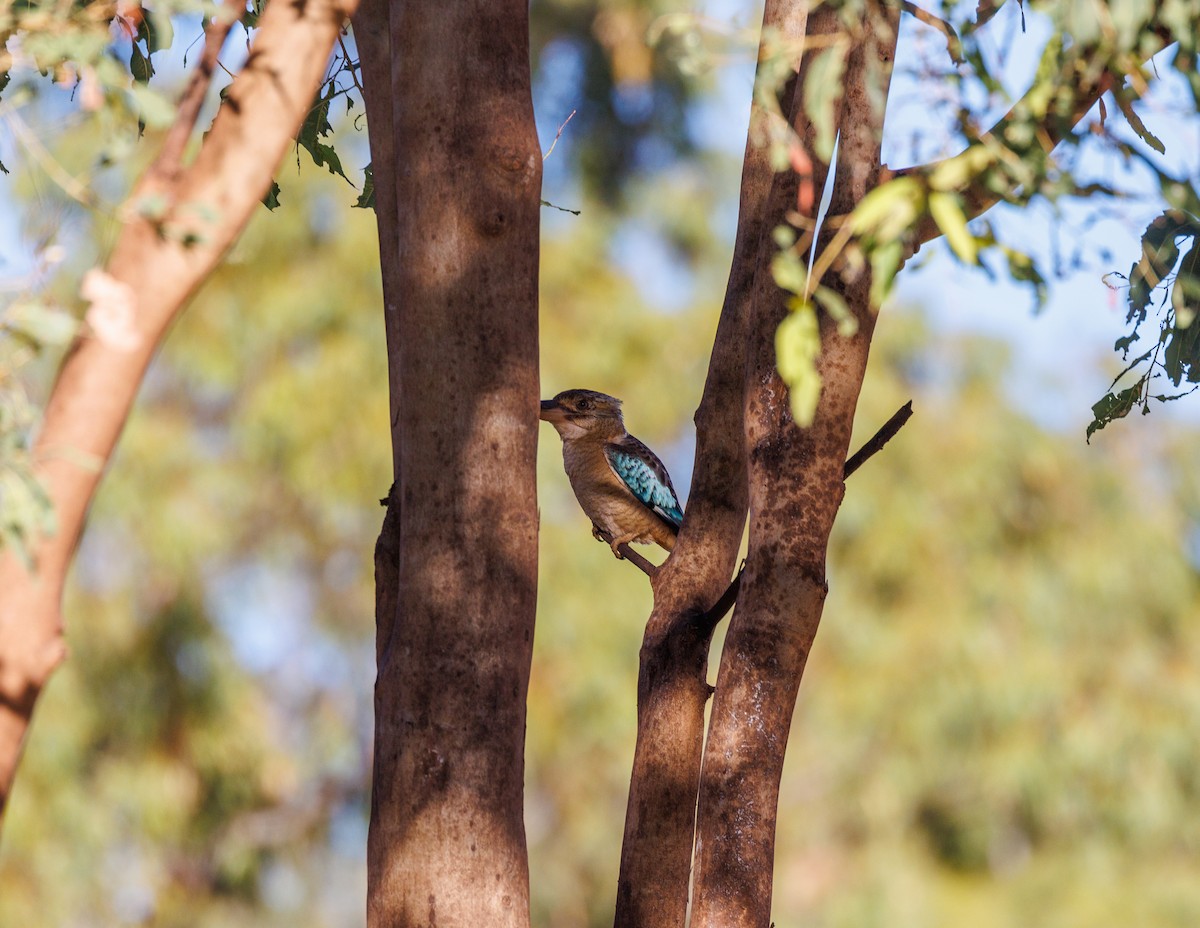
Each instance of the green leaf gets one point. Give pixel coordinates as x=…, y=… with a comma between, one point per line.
x=1181, y=357
x=39, y=323
x=822, y=91
x=789, y=272
x=315, y=127
x=140, y=65
x=963, y=169
x=783, y=236
x=834, y=304
x=156, y=29
x=888, y=211
x=797, y=347
x=1185, y=294
x=1037, y=99
x=947, y=213
x=25, y=512
x=1159, y=254
x=366, y=199
x=885, y=264
x=153, y=108
x=1114, y=406
x=250, y=17
x=1021, y=267
x=1124, y=100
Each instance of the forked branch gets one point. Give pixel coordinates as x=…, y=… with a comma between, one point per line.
x=709, y=620
x=169, y=161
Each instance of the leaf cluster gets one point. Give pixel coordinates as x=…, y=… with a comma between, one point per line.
x=1015, y=161
x=1170, y=265
x=101, y=52
x=28, y=327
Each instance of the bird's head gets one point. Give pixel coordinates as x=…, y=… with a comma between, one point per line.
x=575, y=413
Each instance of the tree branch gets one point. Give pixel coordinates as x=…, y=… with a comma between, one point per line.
x=169, y=161
x=1053, y=130
x=673, y=690
x=156, y=265
x=630, y=555
x=1091, y=84
x=782, y=591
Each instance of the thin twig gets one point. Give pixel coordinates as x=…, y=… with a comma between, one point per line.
x=630, y=555
x=709, y=619
x=350, y=67
x=876, y=442
x=557, y=136
x=953, y=42
x=561, y=209
x=169, y=161
x=54, y=169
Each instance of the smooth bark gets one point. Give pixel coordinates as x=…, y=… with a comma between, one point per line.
x=459, y=163
x=162, y=259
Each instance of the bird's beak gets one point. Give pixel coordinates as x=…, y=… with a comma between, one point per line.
x=551, y=412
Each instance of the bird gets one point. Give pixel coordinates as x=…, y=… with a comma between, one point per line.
x=621, y=484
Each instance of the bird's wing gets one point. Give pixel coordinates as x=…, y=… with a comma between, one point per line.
x=644, y=474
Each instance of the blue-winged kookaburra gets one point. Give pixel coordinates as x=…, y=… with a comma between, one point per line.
x=620, y=483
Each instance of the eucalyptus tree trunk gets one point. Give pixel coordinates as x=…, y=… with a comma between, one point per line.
x=458, y=179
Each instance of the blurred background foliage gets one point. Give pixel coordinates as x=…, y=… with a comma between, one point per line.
x=998, y=725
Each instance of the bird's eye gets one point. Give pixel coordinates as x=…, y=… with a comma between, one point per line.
x=583, y=405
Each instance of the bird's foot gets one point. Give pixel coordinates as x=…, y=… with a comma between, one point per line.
x=597, y=533
x=621, y=540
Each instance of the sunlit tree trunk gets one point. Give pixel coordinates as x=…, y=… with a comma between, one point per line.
x=458, y=175
x=156, y=265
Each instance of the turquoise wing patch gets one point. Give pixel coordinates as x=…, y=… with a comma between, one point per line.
x=646, y=478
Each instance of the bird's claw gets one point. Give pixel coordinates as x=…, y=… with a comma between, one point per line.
x=617, y=542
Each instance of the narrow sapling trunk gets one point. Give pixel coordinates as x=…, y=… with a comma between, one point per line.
x=455, y=152
x=155, y=267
